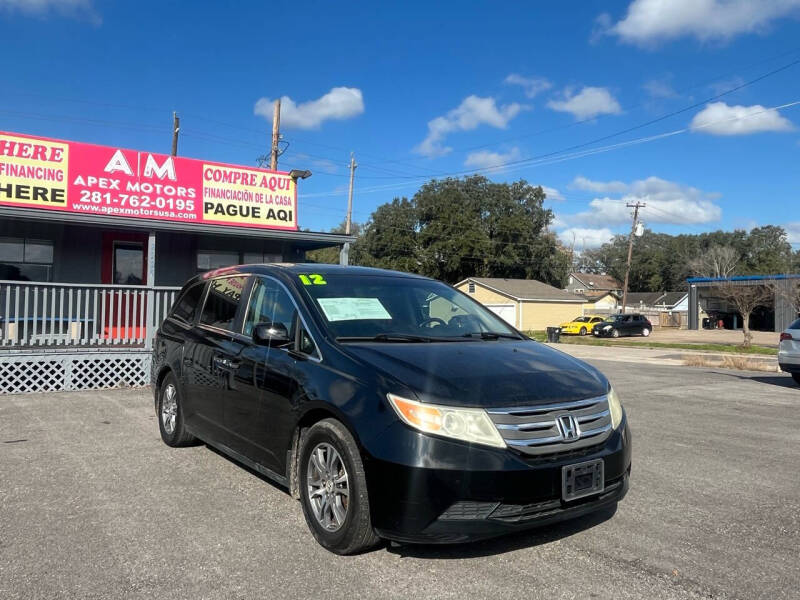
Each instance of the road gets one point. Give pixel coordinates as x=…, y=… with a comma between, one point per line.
x=95, y=506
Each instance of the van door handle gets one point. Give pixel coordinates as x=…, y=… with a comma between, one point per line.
x=226, y=364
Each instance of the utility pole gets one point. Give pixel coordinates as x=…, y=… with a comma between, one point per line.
x=176, y=127
x=344, y=255
x=635, y=208
x=276, y=135
x=353, y=166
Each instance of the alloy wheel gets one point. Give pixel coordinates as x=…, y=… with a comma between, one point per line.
x=327, y=486
x=169, y=408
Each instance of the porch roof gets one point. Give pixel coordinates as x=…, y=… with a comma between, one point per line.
x=308, y=240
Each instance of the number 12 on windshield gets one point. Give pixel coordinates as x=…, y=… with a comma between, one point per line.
x=312, y=279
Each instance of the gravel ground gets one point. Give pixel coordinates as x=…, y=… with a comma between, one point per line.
x=95, y=506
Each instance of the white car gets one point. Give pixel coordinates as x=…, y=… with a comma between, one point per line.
x=789, y=350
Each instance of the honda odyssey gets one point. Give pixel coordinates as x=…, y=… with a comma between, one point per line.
x=391, y=405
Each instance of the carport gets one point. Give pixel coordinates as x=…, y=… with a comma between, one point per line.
x=705, y=297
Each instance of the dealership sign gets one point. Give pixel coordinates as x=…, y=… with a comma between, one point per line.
x=71, y=177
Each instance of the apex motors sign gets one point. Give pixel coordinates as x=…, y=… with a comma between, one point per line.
x=72, y=177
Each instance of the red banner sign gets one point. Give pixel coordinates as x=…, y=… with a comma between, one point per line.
x=71, y=177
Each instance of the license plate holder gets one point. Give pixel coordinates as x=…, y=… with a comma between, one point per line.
x=582, y=479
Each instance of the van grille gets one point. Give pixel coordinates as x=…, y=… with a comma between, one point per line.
x=536, y=430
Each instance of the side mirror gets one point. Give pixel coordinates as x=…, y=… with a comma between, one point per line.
x=271, y=334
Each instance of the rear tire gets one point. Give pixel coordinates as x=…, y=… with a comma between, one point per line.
x=170, y=415
x=333, y=489
x=796, y=377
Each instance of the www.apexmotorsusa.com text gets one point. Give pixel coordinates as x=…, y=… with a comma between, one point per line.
x=135, y=212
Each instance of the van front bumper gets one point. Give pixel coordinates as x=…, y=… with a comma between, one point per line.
x=453, y=492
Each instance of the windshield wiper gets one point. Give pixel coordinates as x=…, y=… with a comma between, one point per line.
x=492, y=335
x=385, y=337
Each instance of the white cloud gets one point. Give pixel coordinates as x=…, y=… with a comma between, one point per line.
x=485, y=159
x=41, y=8
x=323, y=165
x=667, y=202
x=720, y=119
x=553, y=194
x=599, y=187
x=533, y=86
x=650, y=21
x=585, y=237
x=588, y=103
x=338, y=104
x=658, y=88
x=726, y=85
x=792, y=232
x=472, y=112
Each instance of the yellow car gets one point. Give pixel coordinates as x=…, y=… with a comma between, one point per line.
x=581, y=325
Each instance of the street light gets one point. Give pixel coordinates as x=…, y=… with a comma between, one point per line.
x=298, y=174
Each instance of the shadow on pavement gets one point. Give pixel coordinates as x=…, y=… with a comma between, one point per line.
x=785, y=381
x=507, y=543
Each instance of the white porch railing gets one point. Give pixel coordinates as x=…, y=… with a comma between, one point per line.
x=38, y=314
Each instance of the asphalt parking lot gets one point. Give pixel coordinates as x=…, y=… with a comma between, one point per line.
x=93, y=505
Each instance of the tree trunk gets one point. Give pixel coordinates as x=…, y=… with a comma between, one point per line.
x=748, y=337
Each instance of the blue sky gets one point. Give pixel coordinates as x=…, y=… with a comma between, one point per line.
x=424, y=89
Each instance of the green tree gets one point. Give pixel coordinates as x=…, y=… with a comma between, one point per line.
x=456, y=228
x=664, y=262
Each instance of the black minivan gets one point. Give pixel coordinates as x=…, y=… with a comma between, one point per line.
x=391, y=405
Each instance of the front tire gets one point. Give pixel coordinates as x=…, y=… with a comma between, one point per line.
x=583, y=331
x=333, y=489
x=645, y=332
x=615, y=333
x=170, y=415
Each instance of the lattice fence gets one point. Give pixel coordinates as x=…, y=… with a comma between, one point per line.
x=53, y=372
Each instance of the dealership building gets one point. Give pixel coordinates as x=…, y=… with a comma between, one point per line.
x=96, y=241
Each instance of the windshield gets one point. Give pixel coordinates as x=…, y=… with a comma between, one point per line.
x=393, y=308
x=581, y=320
x=613, y=318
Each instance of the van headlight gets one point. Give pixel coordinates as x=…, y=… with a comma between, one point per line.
x=614, y=407
x=465, y=424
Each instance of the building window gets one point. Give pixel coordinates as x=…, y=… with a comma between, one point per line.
x=471, y=287
x=26, y=260
x=212, y=259
x=251, y=258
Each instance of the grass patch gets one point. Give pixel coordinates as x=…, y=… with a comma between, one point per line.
x=541, y=336
x=742, y=363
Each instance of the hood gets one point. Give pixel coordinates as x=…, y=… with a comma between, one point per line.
x=485, y=374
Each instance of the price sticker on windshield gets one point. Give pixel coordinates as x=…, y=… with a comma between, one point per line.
x=312, y=279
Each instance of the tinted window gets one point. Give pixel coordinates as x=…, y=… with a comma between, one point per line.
x=269, y=303
x=795, y=325
x=222, y=302
x=187, y=303
x=210, y=259
x=26, y=260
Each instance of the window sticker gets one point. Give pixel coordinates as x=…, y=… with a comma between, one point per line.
x=353, y=309
x=312, y=279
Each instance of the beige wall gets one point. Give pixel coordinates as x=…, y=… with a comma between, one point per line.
x=535, y=315
x=485, y=296
x=540, y=315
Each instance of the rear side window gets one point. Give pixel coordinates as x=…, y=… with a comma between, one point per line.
x=222, y=302
x=187, y=304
